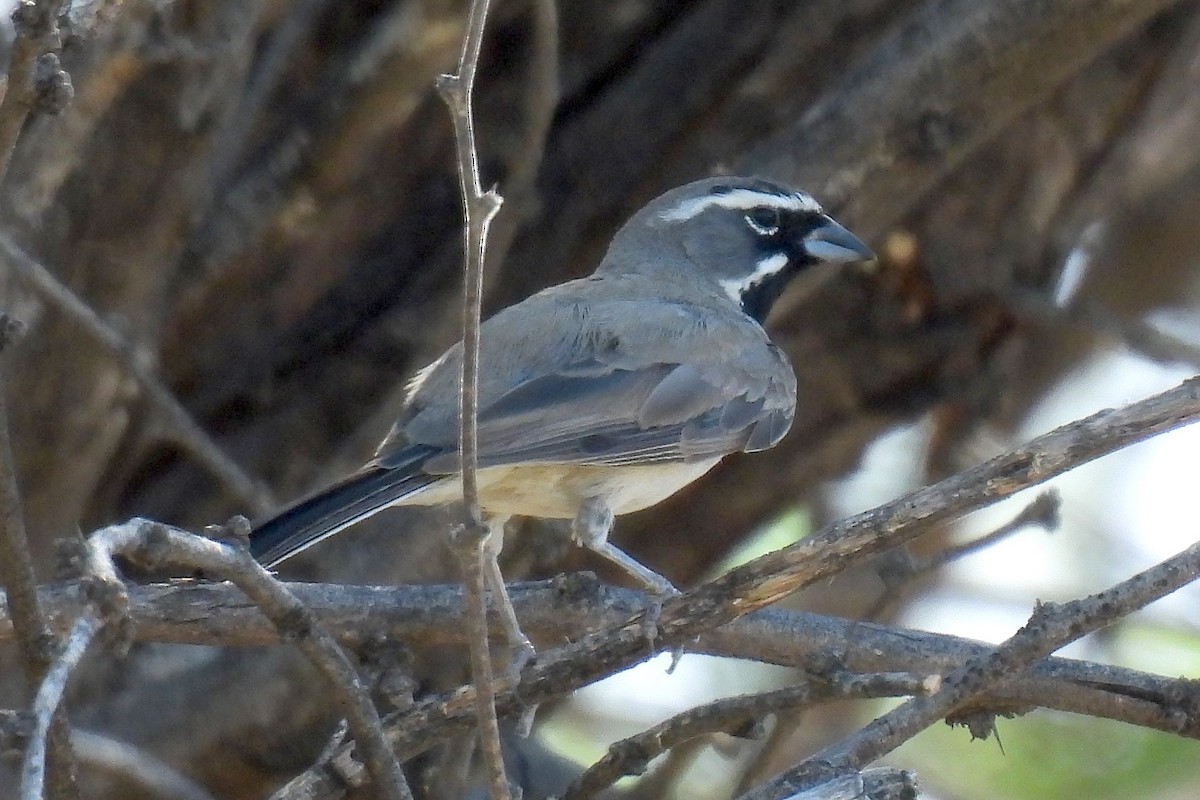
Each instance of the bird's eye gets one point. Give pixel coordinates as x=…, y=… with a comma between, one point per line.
x=764, y=220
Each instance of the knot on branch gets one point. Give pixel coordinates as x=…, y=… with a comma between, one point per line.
x=386, y=665
x=1181, y=703
x=52, y=87
x=153, y=546
x=33, y=20
x=631, y=755
x=235, y=532
x=295, y=624
x=110, y=599
x=577, y=587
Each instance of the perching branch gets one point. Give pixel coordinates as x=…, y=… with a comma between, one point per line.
x=220, y=615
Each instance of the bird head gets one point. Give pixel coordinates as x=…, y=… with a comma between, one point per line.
x=750, y=236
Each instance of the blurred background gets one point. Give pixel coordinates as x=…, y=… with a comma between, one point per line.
x=260, y=196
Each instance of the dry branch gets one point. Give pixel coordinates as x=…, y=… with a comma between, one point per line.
x=118, y=759
x=47, y=702
x=158, y=545
x=34, y=639
x=219, y=614
x=469, y=540
x=737, y=716
x=1050, y=627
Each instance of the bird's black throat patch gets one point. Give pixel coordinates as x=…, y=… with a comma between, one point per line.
x=758, y=298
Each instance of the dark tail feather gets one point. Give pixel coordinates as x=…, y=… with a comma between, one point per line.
x=330, y=510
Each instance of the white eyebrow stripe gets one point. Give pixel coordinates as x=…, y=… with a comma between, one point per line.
x=736, y=287
x=741, y=200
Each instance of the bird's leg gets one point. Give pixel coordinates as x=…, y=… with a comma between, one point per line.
x=591, y=527
x=522, y=648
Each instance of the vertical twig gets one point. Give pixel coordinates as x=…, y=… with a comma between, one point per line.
x=479, y=208
x=34, y=640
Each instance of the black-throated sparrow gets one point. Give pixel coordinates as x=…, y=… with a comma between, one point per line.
x=605, y=395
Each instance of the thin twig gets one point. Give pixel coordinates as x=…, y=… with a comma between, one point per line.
x=35, y=23
x=479, y=208
x=1043, y=513
x=179, y=424
x=738, y=716
x=1051, y=626
x=135, y=765
x=46, y=704
x=901, y=566
x=159, y=545
x=34, y=639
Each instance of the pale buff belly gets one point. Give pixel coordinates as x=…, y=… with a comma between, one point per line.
x=553, y=491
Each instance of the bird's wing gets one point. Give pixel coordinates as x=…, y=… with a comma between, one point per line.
x=619, y=382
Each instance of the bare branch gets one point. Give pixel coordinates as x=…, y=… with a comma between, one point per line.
x=180, y=426
x=750, y=587
x=737, y=716
x=159, y=545
x=34, y=639
x=46, y=703
x=479, y=208
x=219, y=614
x=1050, y=627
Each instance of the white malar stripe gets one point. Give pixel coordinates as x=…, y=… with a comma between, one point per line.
x=742, y=200
x=771, y=265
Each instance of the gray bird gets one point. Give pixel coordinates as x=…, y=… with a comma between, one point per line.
x=608, y=394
